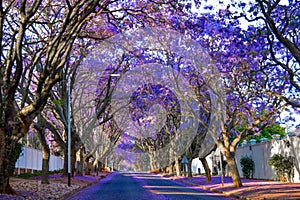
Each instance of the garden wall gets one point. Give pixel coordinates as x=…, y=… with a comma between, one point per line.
x=262, y=152
x=31, y=160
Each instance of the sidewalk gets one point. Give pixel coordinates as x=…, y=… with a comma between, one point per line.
x=251, y=189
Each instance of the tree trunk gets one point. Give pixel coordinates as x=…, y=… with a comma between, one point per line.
x=102, y=167
x=189, y=168
x=45, y=151
x=75, y=146
x=73, y=159
x=87, y=170
x=80, y=163
x=171, y=169
x=45, y=169
x=206, y=169
x=233, y=170
x=45, y=163
x=65, y=171
x=7, y=146
x=177, y=167
x=152, y=166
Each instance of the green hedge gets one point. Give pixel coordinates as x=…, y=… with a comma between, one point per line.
x=38, y=173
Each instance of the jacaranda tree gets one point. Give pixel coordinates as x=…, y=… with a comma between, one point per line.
x=279, y=23
x=36, y=40
x=271, y=70
x=239, y=55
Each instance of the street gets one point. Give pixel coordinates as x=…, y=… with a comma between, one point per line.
x=142, y=186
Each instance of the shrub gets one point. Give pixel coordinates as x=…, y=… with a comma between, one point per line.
x=283, y=166
x=247, y=166
x=224, y=163
x=17, y=153
x=28, y=175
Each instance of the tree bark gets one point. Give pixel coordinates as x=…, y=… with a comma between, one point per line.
x=45, y=162
x=177, y=167
x=73, y=158
x=65, y=171
x=80, y=163
x=206, y=169
x=233, y=170
x=75, y=146
x=152, y=166
x=102, y=167
x=171, y=169
x=189, y=168
x=45, y=151
x=87, y=170
x=6, y=152
x=45, y=169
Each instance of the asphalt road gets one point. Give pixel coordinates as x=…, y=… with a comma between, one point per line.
x=142, y=186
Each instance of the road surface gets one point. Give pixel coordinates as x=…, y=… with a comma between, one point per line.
x=143, y=186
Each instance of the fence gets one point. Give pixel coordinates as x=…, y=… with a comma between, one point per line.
x=31, y=160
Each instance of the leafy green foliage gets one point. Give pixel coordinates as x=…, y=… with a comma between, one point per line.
x=283, y=166
x=58, y=102
x=268, y=132
x=38, y=173
x=271, y=130
x=17, y=152
x=224, y=163
x=247, y=166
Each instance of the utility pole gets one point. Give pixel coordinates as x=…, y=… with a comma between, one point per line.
x=69, y=133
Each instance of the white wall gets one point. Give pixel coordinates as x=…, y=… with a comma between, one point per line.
x=31, y=159
x=196, y=163
x=262, y=152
